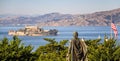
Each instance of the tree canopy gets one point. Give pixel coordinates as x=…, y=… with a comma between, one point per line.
x=14, y=50
x=98, y=50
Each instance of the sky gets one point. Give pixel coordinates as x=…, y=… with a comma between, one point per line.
x=37, y=7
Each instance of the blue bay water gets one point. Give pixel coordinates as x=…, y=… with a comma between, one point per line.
x=64, y=33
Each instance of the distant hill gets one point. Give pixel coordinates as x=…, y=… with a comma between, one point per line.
x=102, y=18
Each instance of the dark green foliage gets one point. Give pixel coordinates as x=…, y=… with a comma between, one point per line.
x=15, y=51
x=106, y=51
x=53, y=51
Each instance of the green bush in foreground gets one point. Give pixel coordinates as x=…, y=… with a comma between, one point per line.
x=106, y=51
x=15, y=51
x=97, y=50
x=53, y=51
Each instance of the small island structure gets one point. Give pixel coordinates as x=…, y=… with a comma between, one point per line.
x=33, y=31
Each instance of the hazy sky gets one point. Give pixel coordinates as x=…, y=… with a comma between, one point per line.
x=33, y=7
